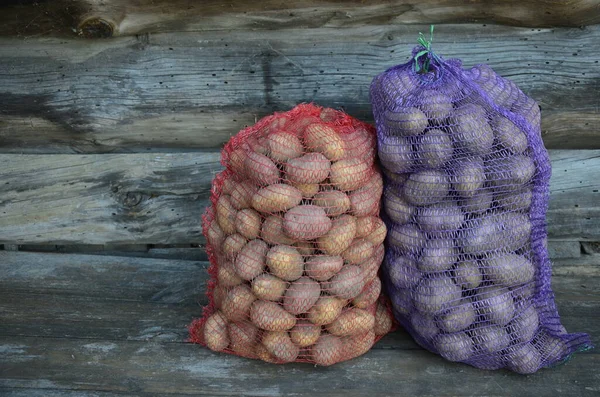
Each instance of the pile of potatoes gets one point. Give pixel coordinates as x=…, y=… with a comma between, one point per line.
x=460, y=178
x=296, y=240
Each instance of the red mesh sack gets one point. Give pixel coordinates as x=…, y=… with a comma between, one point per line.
x=295, y=241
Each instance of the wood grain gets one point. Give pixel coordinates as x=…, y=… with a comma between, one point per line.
x=159, y=198
x=192, y=91
x=91, y=19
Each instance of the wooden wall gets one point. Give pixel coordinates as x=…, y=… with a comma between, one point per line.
x=112, y=113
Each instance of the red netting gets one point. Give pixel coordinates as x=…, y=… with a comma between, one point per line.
x=295, y=241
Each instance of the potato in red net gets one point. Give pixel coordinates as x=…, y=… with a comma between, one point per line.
x=295, y=242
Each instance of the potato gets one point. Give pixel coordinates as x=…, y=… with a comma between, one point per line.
x=268, y=287
x=305, y=333
x=243, y=337
x=275, y=198
x=247, y=223
x=369, y=295
x=305, y=248
x=228, y=184
x=509, y=135
x=552, y=348
x=508, y=231
x=529, y=109
x=323, y=267
x=300, y=122
x=241, y=195
x=350, y=174
x=215, y=332
x=365, y=200
x=310, y=168
x=396, y=154
x=426, y=187
x=508, y=269
x=435, y=148
x=301, y=295
x=226, y=275
x=285, y=262
x=306, y=222
x=226, y=214
x=271, y=316
x=233, y=245
x=257, y=144
x=358, y=251
x=365, y=225
x=328, y=350
x=510, y=173
x=490, y=338
x=440, y=219
x=383, y=320
x=279, y=344
x=359, y=344
x=261, y=352
x=519, y=200
x=308, y=190
x=468, y=176
x=496, y=305
x=438, y=255
x=396, y=207
x=387, y=87
x=525, y=324
x=352, y=321
x=405, y=122
x=435, y=294
x=219, y=294
x=407, y=238
x=435, y=105
x=261, y=169
x=360, y=144
x=424, y=325
x=324, y=139
x=471, y=131
x=339, y=237
x=454, y=347
x=377, y=236
x=237, y=303
x=479, y=202
x=370, y=267
x=467, y=274
x=283, y=146
x=215, y=235
x=524, y=292
x=402, y=303
x=237, y=161
x=457, y=318
x=393, y=179
x=347, y=283
x=333, y=202
x=402, y=271
x=272, y=231
x=523, y=359
x=251, y=260
x=327, y=309
x=329, y=115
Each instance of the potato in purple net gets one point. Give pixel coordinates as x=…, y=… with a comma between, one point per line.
x=401, y=303
x=523, y=359
x=510, y=173
x=393, y=179
x=551, y=348
x=508, y=231
x=524, y=292
x=396, y=154
x=468, y=176
x=435, y=148
x=434, y=294
x=407, y=238
x=508, y=269
x=529, y=109
x=496, y=305
x=440, y=218
x=437, y=256
x=402, y=271
x=525, y=324
x=397, y=209
x=454, y=347
x=467, y=274
x=508, y=135
x=426, y=187
x=471, y=131
x=519, y=200
x=480, y=202
x=435, y=105
x=405, y=121
x=491, y=338
x=424, y=325
x=394, y=86
x=457, y=318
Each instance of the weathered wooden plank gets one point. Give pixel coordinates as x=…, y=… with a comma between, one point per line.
x=132, y=366
x=159, y=198
x=193, y=91
x=110, y=18
x=564, y=249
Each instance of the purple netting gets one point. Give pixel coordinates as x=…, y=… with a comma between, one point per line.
x=465, y=202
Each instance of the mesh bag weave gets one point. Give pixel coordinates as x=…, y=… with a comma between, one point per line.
x=295, y=242
x=466, y=192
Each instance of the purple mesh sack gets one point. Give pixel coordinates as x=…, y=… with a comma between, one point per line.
x=466, y=193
